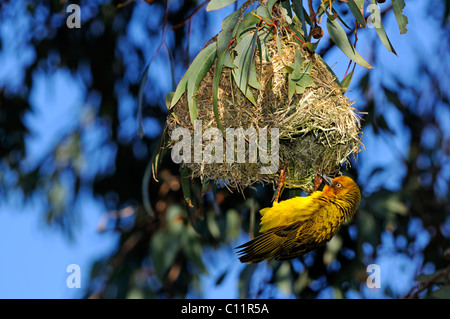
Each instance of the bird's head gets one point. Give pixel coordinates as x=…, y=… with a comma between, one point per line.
x=340, y=186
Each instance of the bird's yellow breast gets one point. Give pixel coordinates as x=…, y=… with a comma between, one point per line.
x=292, y=210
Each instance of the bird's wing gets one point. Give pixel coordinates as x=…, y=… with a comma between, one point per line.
x=297, y=209
x=266, y=245
x=281, y=243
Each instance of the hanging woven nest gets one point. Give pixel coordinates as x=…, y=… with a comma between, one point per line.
x=265, y=80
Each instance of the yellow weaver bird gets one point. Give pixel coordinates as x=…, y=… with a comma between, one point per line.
x=298, y=225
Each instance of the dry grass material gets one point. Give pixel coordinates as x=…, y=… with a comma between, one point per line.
x=317, y=129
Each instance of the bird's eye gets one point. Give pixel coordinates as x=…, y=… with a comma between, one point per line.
x=338, y=185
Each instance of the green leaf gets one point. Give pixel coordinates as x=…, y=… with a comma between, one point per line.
x=227, y=61
x=357, y=13
x=200, y=68
x=312, y=46
x=248, y=23
x=443, y=293
x=169, y=97
x=263, y=12
x=300, y=13
x=152, y=169
x=159, y=152
x=376, y=20
x=300, y=77
x=297, y=67
x=225, y=36
x=339, y=37
x=304, y=81
x=192, y=248
x=145, y=188
x=323, y=8
x=233, y=223
x=263, y=39
x=186, y=185
x=213, y=227
x=245, y=50
x=164, y=248
x=296, y=28
x=345, y=83
x=291, y=89
x=181, y=88
x=439, y=281
x=360, y=4
x=270, y=5
x=237, y=74
x=218, y=4
x=402, y=20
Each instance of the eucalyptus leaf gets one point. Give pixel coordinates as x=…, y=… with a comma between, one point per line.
x=245, y=50
x=402, y=20
x=192, y=248
x=297, y=67
x=379, y=28
x=300, y=14
x=304, y=80
x=263, y=12
x=442, y=293
x=164, y=248
x=200, y=68
x=145, y=188
x=345, y=83
x=296, y=28
x=228, y=25
x=237, y=74
x=340, y=38
x=181, y=88
x=233, y=223
x=169, y=97
x=227, y=61
x=441, y=280
x=185, y=185
x=247, y=24
x=218, y=4
x=357, y=13
x=157, y=156
x=270, y=4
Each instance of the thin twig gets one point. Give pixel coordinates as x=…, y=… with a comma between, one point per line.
x=354, y=45
x=189, y=17
x=424, y=284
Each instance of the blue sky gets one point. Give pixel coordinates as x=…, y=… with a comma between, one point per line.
x=37, y=255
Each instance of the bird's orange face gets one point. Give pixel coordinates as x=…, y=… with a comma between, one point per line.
x=340, y=185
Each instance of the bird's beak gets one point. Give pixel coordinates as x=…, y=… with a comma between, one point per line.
x=326, y=179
